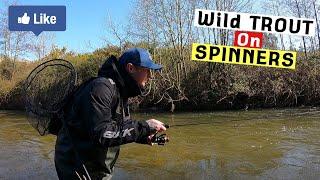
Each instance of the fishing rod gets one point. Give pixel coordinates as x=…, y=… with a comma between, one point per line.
x=162, y=139
x=242, y=119
x=191, y=124
x=196, y=124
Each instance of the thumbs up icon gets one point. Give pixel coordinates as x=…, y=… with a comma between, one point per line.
x=25, y=19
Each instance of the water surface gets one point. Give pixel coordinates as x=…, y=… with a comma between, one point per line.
x=263, y=144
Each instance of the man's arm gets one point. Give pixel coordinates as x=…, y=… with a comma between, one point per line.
x=102, y=128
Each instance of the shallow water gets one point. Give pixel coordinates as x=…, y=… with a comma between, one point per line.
x=264, y=144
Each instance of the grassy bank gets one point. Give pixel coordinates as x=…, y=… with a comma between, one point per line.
x=187, y=85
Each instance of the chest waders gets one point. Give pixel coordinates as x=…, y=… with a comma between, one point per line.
x=120, y=113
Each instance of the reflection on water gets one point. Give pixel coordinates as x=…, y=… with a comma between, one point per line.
x=266, y=144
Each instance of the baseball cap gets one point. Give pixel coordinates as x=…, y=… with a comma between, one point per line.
x=139, y=57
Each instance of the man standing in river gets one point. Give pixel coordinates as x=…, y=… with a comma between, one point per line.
x=98, y=119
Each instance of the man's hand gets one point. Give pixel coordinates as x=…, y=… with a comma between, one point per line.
x=156, y=126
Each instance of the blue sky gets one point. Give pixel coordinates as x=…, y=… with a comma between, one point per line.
x=86, y=21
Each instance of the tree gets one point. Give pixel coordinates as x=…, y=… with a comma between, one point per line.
x=317, y=21
x=41, y=45
x=13, y=43
x=167, y=26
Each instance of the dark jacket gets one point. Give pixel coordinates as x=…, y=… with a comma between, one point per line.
x=98, y=122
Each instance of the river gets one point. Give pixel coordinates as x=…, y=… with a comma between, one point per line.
x=259, y=144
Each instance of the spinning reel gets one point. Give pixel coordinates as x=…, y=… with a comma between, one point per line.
x=160, y=139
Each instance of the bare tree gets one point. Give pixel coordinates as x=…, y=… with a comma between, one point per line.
x=41, y=45
x=17, y=45
x=167, y=25
x=275, y=6
x=296, y=8
x=317, y=21
x=13, y=43
x=117, y=31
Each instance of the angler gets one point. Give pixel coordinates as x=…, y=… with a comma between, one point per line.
x=98, y=119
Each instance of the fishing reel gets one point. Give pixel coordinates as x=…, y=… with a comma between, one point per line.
x=160, y=139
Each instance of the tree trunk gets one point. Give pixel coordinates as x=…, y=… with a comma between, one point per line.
x=316, y=15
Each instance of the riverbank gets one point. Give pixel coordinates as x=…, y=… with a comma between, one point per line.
x=201, y=86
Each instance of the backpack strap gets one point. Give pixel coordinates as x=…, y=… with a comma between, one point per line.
x=125, y=109
x=120, y=108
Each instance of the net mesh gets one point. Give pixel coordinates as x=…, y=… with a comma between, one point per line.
x=46, y=90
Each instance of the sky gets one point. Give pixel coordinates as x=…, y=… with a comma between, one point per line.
x=87, y=21
x=86, y=24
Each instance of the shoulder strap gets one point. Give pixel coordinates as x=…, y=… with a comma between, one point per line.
x=119, y=105
x=125, y=109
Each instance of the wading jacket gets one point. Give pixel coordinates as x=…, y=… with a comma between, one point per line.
x=98, y=122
